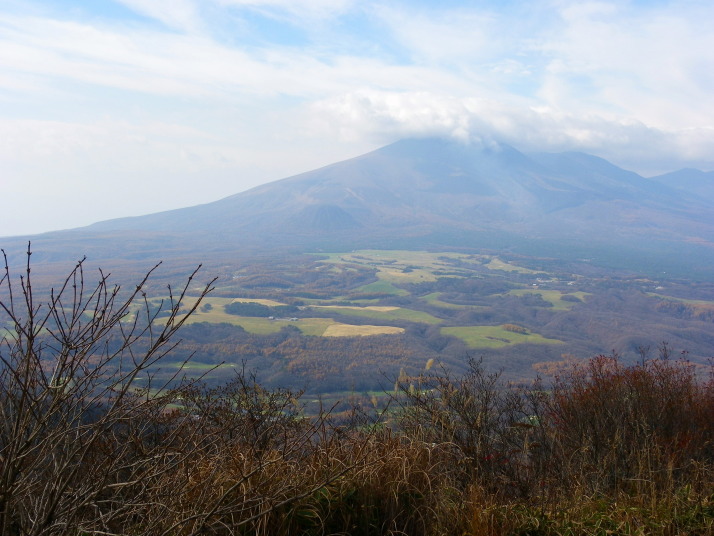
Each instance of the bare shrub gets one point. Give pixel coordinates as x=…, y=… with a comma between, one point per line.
x=608, y=426
x=486, y=421
x=84, y=450
x=71, y=416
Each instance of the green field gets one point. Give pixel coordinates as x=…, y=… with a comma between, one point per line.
x=341, y=301
x=217, y=302
x=392, y=268
x=494, y=336
x=318, y=327
x=398, y=275
x=397, y=257
x=434, y=299
x=382, y=287
x=308, y=326
x=264, y=326
x=552, y=296
x=193, y=369
x=401, y=266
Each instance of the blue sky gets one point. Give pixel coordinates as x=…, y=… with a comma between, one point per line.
x=126, y=107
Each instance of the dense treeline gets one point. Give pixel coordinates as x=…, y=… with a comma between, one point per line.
x=686, y=311
x=288, y=358
x=258, y=309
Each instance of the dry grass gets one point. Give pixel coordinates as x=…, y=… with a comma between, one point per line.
x=348, y=330
x=251, y=464
x=380, y=308
x=606, y=449
x=465, y=464
x=385, y=313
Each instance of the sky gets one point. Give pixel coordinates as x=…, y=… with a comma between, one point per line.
x=128, y=107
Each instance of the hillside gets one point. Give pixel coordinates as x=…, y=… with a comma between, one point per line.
x=432, y=193
x=690, y=181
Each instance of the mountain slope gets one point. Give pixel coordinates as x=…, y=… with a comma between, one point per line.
x=698, y=184
x=425, y=185
x=431, y=192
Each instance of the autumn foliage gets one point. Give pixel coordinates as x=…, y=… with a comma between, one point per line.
x=605, y=448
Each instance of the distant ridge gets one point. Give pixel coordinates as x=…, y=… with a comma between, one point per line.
x=690, y=181
x=435, y=192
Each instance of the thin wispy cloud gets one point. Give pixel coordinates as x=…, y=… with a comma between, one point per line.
x=238, y=92
x=295, y=10
x=175, y=14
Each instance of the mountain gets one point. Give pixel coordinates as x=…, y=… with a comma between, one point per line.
x=421, y=193
x=699, y=184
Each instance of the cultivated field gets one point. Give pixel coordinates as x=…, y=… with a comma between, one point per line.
x=383, y=313
x=392, y=310
x=347, y=330
x=494, y=336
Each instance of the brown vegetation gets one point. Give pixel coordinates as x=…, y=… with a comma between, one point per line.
x=606, y=449
x=515, y=329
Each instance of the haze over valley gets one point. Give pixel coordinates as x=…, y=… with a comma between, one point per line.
x=426, y=250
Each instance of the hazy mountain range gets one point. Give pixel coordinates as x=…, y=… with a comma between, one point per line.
x=433, y=193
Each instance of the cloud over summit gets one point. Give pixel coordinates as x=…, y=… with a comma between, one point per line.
x=390, y=115
x=265, y=88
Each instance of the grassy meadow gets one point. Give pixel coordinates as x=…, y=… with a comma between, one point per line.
x=554, y=297
x=497, y=264
x=494, y=336
x=381, y=287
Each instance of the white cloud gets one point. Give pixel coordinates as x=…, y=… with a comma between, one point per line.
x=443, y=36
x=300, y=9
x=172, y=65
x=642, y=63
x=88, y=102
x=388, y=115
x=176, y=14
x=136, y=60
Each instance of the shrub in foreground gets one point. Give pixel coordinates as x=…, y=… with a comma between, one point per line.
x=606, y=449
